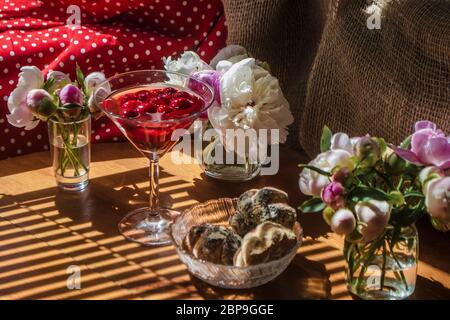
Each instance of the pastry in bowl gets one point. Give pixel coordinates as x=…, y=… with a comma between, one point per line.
x=257, y=206
x=238, y=243
x=245, y=201
x=269, y=241
x=213, y=243
x=268, y=195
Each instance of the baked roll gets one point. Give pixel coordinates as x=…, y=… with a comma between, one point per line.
x=257, y=206
x=214, y=243
x=280, y=213
x=269, y=241
x=193, y=235
x=245, y=201
x=268, y=195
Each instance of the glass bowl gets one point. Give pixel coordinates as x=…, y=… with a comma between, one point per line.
x=217, y=212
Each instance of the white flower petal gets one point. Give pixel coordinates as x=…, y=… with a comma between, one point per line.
x=437, y=198
x=21, y=117
x=30, y=77
x=229, y=52
x=375, y=214
x=18, y=97
x=188, y=63
x=251, y=99
x=94, y=79
x=57, y=75
x=311, y=183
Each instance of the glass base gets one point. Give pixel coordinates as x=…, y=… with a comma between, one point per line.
x=232, y=172
x=149, y=228
x=73, y=184
x=399, y=279
x=393, y=290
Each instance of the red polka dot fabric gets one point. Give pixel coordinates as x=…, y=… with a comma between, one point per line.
x=113, y=36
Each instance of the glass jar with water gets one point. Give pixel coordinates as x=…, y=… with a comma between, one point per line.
x=385, y=268
x=70, y=146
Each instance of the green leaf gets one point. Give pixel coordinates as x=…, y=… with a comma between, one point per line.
x=354, y=237
x=48, y=84
x=414, y=194
x=382, y=144
x=319, y=171
x=70, y=106
x=80, y=78
x=47, y=108
x=363, y=193
x=325, y=140
x=405, y=216
x=312, y=205
x=405, y=143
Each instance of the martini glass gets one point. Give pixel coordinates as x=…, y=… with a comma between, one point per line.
x=149, y=127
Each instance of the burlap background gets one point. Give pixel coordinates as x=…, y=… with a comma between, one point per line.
x=336, y=71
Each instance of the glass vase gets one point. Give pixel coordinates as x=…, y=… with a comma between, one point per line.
x=385, y=268
x=70, y=146
x=218, y=163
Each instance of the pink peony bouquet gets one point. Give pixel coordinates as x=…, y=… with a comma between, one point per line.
x=66, y=106
x=362, y=184
x=37, y=98
x=371, y=192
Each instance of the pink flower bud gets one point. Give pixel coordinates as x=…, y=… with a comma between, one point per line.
x=34, y=99
x=71, y=94
x=333, y=195
x=343, y=222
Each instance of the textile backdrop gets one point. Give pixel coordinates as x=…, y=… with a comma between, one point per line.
x=114, y=36
x=333, y=69
x=338, y=72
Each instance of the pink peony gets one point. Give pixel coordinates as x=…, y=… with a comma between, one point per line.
x=333, y=195
x=34, y=99
x=429, y=147
x=212, y=78
x=71, y=94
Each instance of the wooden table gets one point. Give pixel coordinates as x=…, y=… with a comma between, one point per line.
x=43, y=231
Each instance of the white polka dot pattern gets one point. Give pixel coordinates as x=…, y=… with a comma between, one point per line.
x=115, y=36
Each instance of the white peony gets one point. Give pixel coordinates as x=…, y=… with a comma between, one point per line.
x=60, y=80
x=251, y=99
x=429, y=174
x=375, y=215
x=231, y=53
x=341, y=141
x=91, y=81
x=188, y=63
x=20, y=115
x=437, y=198
x=311, y=183
x=343, y=222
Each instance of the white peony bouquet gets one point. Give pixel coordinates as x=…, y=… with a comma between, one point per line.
x=247, y=95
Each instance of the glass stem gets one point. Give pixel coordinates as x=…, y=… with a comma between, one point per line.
x=154, y=184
